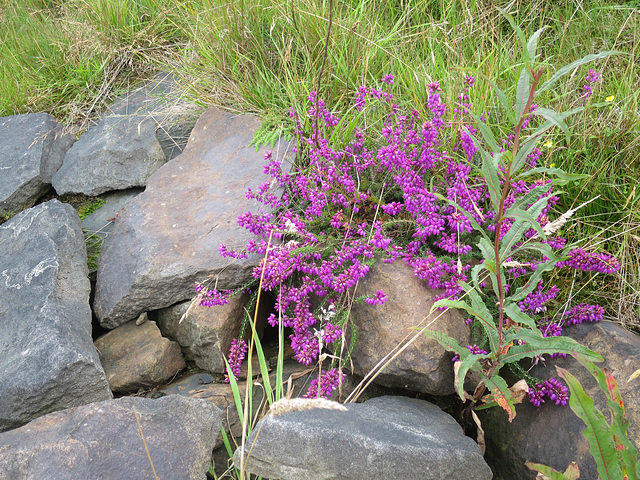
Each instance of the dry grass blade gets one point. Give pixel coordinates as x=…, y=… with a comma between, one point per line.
x=145, y=444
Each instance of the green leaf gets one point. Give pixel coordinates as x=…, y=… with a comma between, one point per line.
x=486, y=133
x=522, y=154
x=552, y=474
x=598, y=433
x=619, y=422
x=532, y=45
x=471, y=361
x=235, y=390
x=532, y=281
x=562, y=177
x=568, y=68
x=522, y=93
x=514, y=312
x=501, y=394
x=502, y=97
x=448, y=343
x=521, y=36
x=536, y=345
x=553, y=117
x=531, y=197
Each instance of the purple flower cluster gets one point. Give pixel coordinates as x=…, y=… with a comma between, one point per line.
x=590, y=261
x=591, y=78
x=237, y=353
x=328, y=382
x=552, y=389
x=584, y=313
x=474, y=349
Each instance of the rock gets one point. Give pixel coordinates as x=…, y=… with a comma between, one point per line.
x=119, y=152
x=162, y=100
x=103, y=440
x=167, y=238
x=205, y=334
x=138, y=356
x=48, y=360
x=424, y=366
x=552, y=434
x=100, y=222
x=385, y=437
x=32, y=148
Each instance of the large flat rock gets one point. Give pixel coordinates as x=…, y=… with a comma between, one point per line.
x=105, y=441
x=383, y=438
x=48, y=359
x=32, y=148
x=167, y=238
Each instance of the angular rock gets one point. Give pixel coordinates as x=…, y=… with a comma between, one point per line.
x=167, y=238
x=100, y=222
x=424, y=366
x=119, y=152
x=385, y=437
x=138, y=356
x=103, y=440
x=163, y=100
x=48, y=360
x=204, y=334
x=32, y=148
x=552, y=434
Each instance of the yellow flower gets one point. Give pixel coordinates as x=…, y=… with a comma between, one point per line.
x=548, y=144
x=610, y=98
x=552, y=165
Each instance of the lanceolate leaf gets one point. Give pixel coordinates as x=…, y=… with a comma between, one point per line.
x=532, y=45
x=448, y=343
x=619, y=422
x=553, y=117
x=568, y=68
x=522, y=93
x=514, y=312
x=532, y=196
x=571, y=473
x=532, y=281
x=470, y=362
x=461, y=210
x=536, y=345
x=561, y=177
x=501, y=394
x=598, y=432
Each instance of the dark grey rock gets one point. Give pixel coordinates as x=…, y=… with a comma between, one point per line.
x=167, y=238
x=48, y=360
x=32, y=148
x=552, y=434
x=385, y=437
x=119, y=152
x=425, y=366
x=103, y=441
x=165, y=102
x=100, y=223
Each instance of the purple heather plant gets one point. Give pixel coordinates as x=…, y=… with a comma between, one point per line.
x=415, y=196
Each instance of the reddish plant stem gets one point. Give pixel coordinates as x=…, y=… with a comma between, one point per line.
x=505, y=192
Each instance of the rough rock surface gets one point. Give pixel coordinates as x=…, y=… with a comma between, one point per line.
x=48, y=359
x=162, y=100
x=167, y=238
x=100, y=222
x=424, y=366
x=385, y=437
x=552, y=434
x=119, y=152
x=32, y=148
x=138, y=356
x=204, y=334
x=103, y=441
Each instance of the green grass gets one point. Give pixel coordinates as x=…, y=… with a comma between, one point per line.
x=72, y=57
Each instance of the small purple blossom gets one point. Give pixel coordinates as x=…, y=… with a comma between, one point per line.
x=552, y=389
x=329, y=381
x=378, y=299
x=584, y=313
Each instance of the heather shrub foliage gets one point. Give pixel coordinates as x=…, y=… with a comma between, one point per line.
x=455, y=192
